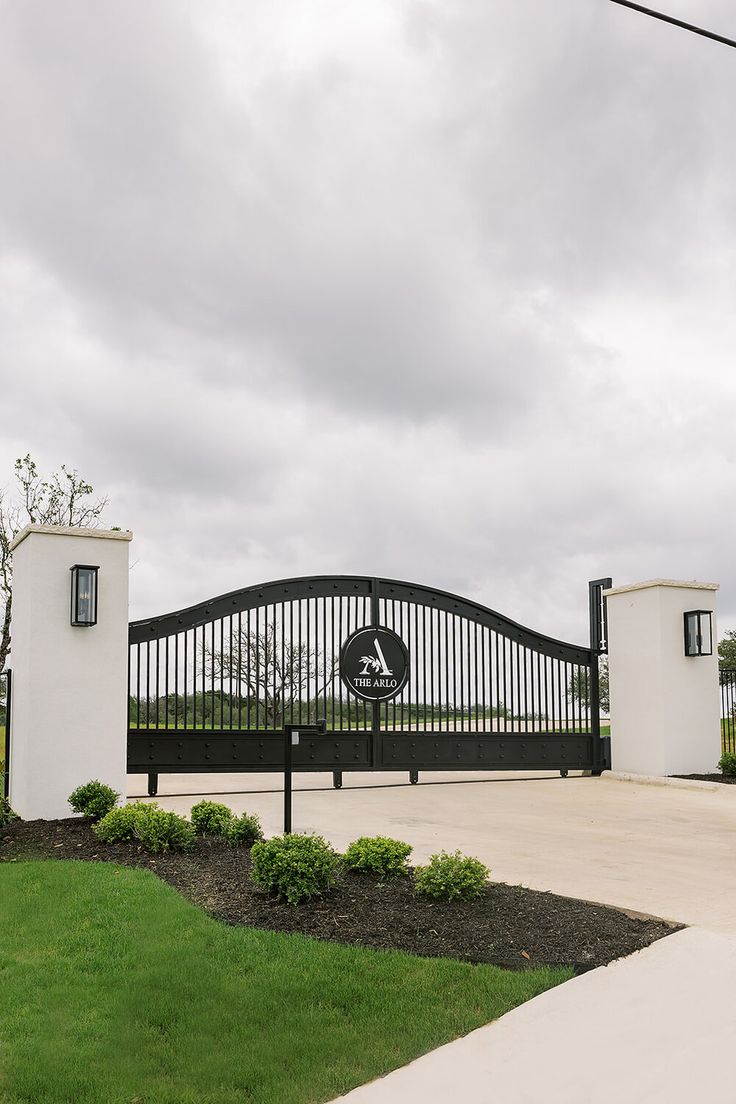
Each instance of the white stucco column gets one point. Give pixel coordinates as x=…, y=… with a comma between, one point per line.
x=665, y=710
x=69, y=696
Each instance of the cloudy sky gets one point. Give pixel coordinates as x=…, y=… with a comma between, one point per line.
x=440, y=290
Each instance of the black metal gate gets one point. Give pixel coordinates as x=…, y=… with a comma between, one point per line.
x=211, y=687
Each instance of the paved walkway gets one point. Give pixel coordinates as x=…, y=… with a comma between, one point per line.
x=655, y=1027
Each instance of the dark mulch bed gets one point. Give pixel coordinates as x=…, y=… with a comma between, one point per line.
x=509, y=926
x=726, y=779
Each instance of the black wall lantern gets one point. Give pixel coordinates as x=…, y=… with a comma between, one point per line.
x=698, y=633
x=84, y=594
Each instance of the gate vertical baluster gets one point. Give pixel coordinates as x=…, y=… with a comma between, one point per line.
x=431, y=669
x=138, y=686
x=291, y=660
x=332, y=656
x=176, y=680
x=424, y=669
x=401, y=695
x=532, y=690
x=204, y=674
x=249, y=677
x=194, y=678
x=483, y=669
x=475, y=673
x=274, y=662
x=309, y=656
x=324, y=659
x=416, y=669
x=460, y=627
x=185, y=675
x=283, y=662
x=231, y=664
x=213, y=652
x=259, y=646
x=376, y=744
x=239, y=679
x=340, y=641
x=222, y=675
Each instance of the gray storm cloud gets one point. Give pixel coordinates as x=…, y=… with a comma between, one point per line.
x=439, y=291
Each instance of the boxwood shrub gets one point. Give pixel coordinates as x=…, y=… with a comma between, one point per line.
x=119, y=824
x=294, y=867
x=244, y=830
x=454, y=877
x=211, y=817
x=378, y=855
x=94, y=799
x=159, y=830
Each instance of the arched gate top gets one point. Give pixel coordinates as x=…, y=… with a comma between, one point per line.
x=345, y=586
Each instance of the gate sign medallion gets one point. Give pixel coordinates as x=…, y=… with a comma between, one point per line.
x=374, y=664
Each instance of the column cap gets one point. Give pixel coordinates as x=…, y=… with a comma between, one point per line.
x=680, y=584
x=71, y=531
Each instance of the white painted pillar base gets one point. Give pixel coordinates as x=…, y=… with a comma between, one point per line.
x=70, y=685
x=665, y=708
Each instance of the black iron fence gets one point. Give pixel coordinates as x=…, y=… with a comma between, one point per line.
x=727, y=680
x=5, y=691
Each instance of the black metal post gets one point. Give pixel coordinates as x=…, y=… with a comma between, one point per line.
x=6, y=773
x=598, y=645
x=152, y=785
x=598, y=614
x=290, y=733
x=292, y=736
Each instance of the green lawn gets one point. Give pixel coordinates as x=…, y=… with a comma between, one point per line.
x=115, y=990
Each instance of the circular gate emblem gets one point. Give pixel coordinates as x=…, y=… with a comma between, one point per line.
x=374, y=664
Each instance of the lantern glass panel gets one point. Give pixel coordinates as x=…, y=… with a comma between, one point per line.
x=691, y=634
x=706, y=634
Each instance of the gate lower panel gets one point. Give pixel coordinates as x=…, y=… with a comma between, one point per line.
x=222, y=752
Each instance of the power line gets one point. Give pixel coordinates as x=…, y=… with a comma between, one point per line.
x=676, y=22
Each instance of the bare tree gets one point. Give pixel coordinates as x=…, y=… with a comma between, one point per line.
x=64, y=498
x=274, y=671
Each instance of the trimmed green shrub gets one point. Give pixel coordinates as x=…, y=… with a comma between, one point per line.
x=212, y=817
x=455, y=877
x=159, y=830
x=727, y=764
x=244, y=830
x=378, y=855
x=119, y=824
x=7, y=815
x=93, y=800
x=294, y=867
